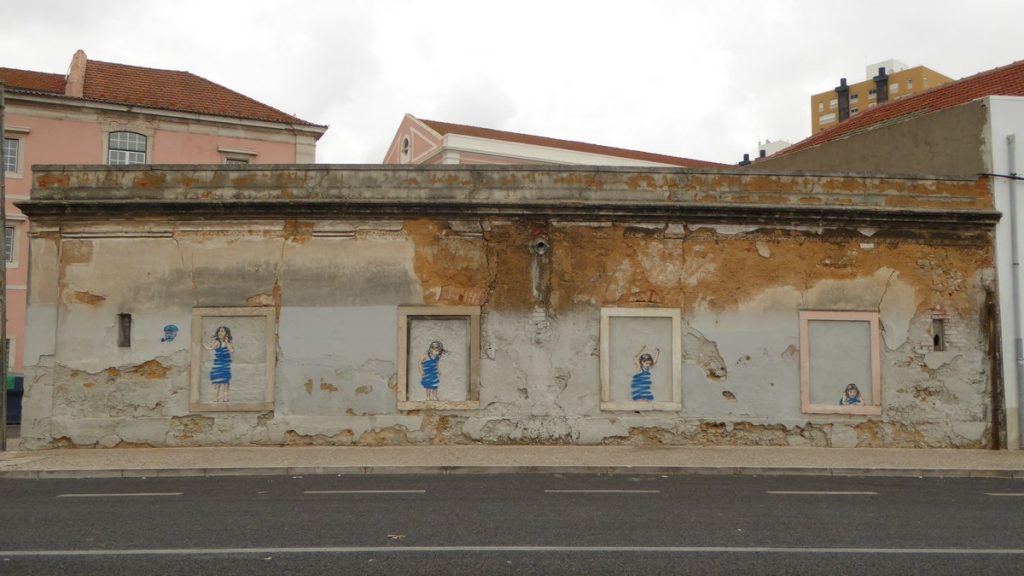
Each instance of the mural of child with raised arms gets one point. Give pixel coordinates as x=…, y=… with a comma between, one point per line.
x=641, y=384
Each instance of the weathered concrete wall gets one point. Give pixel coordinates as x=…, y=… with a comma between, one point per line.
x=335, y=251
x=950, y=142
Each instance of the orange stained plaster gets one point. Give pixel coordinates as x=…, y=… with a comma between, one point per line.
x=443, y=259
x=297, y=231
x=619, y=265
x=150, y=180
x=579, y=179
x=53, y=180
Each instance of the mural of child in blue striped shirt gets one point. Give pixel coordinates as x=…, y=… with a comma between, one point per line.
x=430, y=369
x=641, y=384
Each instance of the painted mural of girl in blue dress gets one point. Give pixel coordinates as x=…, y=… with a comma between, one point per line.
x=641, y=385
x=851, y=396
x=430, y=369
x=220, y=372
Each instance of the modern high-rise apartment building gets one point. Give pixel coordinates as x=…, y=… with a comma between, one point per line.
x=888, y=80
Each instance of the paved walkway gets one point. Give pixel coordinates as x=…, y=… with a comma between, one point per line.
x=212, y=461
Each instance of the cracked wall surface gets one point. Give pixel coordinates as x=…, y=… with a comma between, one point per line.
x=336, y=282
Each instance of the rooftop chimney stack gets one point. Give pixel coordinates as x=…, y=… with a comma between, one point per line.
x=74, y=85
x=881, y=86
x=746, y=160
x=844, y=100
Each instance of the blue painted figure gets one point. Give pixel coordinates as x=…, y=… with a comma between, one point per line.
x=851, y=396
x=430, y=369
x=220, y=372
x=170, y=333
x=641, y=385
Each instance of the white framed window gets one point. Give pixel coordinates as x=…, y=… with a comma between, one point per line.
x=126, y=148
x=827, y=118
x=237, y=156
x=854, y=111
x=910, y=83
x=872, y=94
x=12, y=155
x=10, y=231
x=894, y=87
x=821, y=107
x=833, y=103
x=854, y=98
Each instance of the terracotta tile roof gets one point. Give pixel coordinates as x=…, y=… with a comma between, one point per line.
x=1003, y=81
x=29, y=81
x=161, y=89
x=447, y=128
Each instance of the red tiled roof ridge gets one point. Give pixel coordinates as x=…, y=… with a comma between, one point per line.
x=32, y=80
x=159, y=89
x=217, y=100
x=1006, y=80
x=478, y=131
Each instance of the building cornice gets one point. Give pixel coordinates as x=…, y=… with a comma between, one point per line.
x=931, y=208
x=314, y=130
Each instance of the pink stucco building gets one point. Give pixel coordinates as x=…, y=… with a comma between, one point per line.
x=106, y=113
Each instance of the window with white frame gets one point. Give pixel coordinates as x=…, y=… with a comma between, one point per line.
x=11, y=152
x=9, y=231
x=910, y=83
x=126, y=148
x=894, y=87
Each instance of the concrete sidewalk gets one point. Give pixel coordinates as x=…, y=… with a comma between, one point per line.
x=306, y=460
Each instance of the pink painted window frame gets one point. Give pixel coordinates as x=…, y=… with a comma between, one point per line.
x=873, y=409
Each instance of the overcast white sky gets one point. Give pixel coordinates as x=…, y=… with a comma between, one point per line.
x=703, y=79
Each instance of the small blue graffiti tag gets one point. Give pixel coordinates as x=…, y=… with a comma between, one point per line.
x=170, y=333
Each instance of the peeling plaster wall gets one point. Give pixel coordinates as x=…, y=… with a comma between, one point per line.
x=336, y=285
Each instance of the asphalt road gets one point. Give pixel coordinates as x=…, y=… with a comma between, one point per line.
x=512, y=524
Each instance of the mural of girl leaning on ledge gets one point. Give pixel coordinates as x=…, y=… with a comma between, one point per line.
x=851, y=396
x=220, y=373
x=233, y=359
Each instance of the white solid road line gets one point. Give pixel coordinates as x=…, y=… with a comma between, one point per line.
x=522, y=549
x=603, y=491
x=116, y=495
x=821, y=493
x=364, y=492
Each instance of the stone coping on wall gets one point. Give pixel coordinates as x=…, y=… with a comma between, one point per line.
x=573, y=193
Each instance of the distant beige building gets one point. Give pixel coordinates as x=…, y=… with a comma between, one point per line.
x=888, y=80
x=420, y=141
